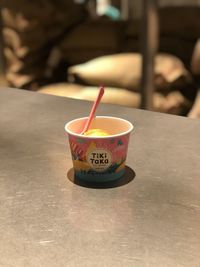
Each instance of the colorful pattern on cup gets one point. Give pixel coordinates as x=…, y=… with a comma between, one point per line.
x=99, y=159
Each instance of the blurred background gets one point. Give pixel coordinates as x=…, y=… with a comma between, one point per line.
x=70, y=47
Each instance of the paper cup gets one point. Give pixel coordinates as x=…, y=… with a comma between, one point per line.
x=101, y=158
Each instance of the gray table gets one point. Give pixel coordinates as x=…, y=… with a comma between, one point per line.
x=151, y=218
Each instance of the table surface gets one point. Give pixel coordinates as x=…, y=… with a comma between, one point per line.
x=149, y=218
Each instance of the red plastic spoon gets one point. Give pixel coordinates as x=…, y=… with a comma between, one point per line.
x=92, y=112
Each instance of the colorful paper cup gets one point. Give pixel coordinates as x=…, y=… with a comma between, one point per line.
x=99, y=158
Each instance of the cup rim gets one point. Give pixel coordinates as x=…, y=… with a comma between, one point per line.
x=99, y=137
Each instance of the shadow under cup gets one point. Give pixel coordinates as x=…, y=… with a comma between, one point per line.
x=99, y=158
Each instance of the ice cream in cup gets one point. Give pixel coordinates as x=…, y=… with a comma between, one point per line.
x=99, y=155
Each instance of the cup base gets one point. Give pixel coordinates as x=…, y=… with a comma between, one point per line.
x=99, y=177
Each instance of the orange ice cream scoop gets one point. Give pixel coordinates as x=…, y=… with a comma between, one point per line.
x=96, y=132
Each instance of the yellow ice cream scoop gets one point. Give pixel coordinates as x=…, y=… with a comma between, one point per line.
x=96, y=132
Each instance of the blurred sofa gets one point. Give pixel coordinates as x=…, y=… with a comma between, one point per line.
x=44, y=41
